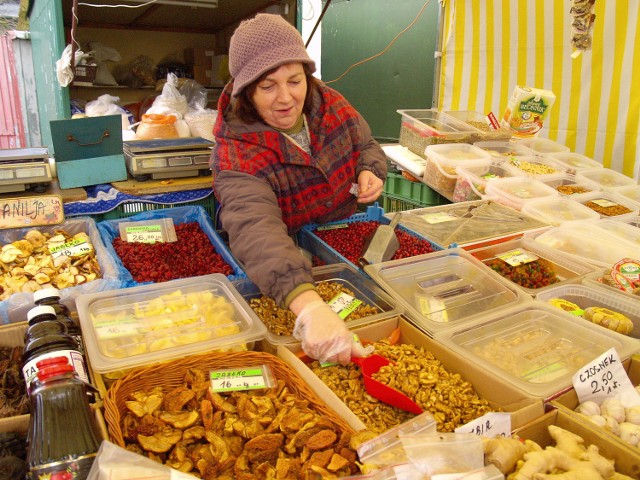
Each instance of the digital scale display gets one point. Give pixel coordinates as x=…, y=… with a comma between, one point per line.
x=167, y=158
x=24, y=169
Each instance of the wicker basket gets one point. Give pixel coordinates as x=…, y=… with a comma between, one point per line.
x=171, y=374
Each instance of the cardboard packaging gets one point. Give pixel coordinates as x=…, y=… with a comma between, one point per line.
x=527, y=110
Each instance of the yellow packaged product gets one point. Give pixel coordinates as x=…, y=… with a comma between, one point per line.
x=527, y=109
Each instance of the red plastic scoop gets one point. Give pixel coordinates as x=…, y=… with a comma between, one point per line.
x=370, y=365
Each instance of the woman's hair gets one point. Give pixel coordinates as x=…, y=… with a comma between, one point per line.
x=245, y=110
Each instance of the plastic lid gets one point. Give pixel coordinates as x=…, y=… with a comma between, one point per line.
x=543, y=145
x=50, y=292
x=456, y=154
x=51, y=367
x=515, y=191
x=575, y=161
x=40, y=310
x=606, y=178
x=558, y=210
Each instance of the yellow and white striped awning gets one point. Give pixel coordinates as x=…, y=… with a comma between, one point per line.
x=490, y=46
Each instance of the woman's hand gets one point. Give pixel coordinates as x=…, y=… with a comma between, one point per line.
x=370, y=187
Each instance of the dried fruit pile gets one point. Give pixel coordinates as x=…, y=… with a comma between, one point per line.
x=268, y=433
x=191, y=255
x=350, y=241
x=13, y=390
x=536, y=274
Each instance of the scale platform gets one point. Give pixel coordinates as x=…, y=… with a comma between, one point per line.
x=24, y=169
x=167, y=158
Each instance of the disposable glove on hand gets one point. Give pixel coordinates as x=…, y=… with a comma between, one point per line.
x=324, y=335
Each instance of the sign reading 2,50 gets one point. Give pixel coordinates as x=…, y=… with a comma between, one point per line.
x=607, y=384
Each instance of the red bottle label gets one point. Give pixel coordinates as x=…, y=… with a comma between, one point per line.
x=76, y=469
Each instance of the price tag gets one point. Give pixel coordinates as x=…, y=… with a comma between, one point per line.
x=494, y=424
x=605, y=377
x=603, y=202
x=74, y=248
x=144, y=234
x=251, y=378
x=438, y=217
x=333, y=227
x=343, y=304
x=517, y=257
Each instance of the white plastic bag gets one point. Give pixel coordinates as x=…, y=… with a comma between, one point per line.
x=170, y=101
x=107, y=105
x=200, y=121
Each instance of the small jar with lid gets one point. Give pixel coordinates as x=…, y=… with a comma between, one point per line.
x=64, y=437
x=51, y=297
x=46, y=337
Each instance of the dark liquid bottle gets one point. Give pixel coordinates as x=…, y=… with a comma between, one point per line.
x=46, y=337
x=63, y=434
x=51, y=297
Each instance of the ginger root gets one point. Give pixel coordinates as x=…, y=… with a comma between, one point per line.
x=545, y=464
x=504, y=453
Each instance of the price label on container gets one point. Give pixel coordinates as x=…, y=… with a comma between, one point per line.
x=493, y=424
x=603, y=202
x=438, y=217
x=251, y=378
x=144, y=234
x=605, y=377
x=335, y=226
x=344, y=304
x=74, y=248
x=517, y=257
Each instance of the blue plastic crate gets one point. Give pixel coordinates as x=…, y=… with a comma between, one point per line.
x=109, y=230
x=316, y=246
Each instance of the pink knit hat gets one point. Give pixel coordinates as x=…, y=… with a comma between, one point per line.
x=261, y=44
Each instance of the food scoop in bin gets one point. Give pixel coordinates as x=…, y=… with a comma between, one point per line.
x=383, y=244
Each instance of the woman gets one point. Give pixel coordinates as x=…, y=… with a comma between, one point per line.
x=289, y=151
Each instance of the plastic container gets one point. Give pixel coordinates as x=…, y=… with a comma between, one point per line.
x=595, y=279
x=515, y=191
x=535, y=346
x=569, y=185
x=504, y=148
x=469, y=223
x=481, y=122
x=606, y=178
x=575, y=162
x=539, y=167
x=157, y=322
x=442, y=161
x=559, y=211
x=585, y=296
x=533, y=266
x=442, y=289
x=543, y=145
x=364, y=289
x=609, y=204
x=588, y=243
x=472, y=180
x=626, y=232
x=406, y=159
x=421, y=128
x=632, y=192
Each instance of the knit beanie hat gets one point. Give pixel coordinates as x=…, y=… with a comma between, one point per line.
x=261, y=44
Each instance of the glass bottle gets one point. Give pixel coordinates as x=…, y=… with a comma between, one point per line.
x=51, y=297
x=46, y=337
x=63, y=435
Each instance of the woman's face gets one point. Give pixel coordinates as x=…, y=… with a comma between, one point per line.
x=279, y=97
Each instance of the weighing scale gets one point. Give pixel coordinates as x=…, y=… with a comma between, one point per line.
x=167, y=158
x=24, y=168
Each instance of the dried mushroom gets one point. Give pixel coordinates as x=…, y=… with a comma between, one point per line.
x=280, y=321
x=269, y=433
x=13, y=390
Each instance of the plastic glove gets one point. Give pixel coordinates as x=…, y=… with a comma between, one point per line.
x=324, y=335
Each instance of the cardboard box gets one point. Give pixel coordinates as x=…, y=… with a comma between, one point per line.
x=13, y=336
x=499, y=393
x=627, y=459
x=199, y=56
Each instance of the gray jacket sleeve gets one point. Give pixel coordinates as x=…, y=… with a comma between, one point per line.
x=257, y=235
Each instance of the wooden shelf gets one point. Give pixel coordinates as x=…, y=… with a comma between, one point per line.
x=84, y=85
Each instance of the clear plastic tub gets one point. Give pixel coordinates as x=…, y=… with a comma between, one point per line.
x=472, y=180
x=539, y=167
x=627, y=232
x=481, y=122
x=605, y=177
x=559, y=211
x=535, y=346
x=632, y=192
x=504, y=148
x=444, y=288
x=585, y=296
x=515, y=191
x=151, y=323
x=543, y=145
x=609, y=204
x=568, y=185
x=421, y=128
x=595, y=279
x=575, y=162
x=530, y=265
x=442, y=161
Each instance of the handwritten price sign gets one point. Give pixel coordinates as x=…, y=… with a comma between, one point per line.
x=494, y=424
x=31, y=211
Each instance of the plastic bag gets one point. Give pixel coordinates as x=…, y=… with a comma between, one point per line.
x=195, y=94
x=101, y=54
x=116, y=463
x=107, y=105
x=200, y=121
x=170, y=100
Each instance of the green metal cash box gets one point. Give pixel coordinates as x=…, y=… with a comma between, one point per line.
x=88, y=151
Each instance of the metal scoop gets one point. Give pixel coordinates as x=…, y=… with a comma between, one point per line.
x=383, y=244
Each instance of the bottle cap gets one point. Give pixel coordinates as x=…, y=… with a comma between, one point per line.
x=50, y=292
x=53, y=366
x=40, y=310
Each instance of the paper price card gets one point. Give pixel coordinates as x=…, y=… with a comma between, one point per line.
x=517, y=257
x=250, y=378
x=438, y=217
x=31, y=211
x=333, y=227
x=144, y=234
x=343, y=304
x=605, y=377
x=494, y=424
x=75, y=248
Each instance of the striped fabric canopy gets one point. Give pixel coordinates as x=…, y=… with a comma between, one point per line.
x=490, y=46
